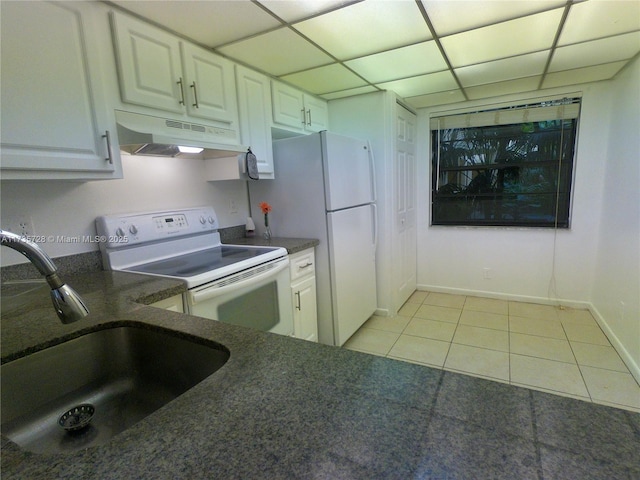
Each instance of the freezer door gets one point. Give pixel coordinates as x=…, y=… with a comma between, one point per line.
x=353, y=269
x=348, y=171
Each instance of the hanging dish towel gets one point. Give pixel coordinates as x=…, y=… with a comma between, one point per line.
x=251, y=165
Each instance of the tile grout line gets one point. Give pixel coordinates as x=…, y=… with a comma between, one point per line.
x=509, y=343
x=577, y=363
x=396, y=340
x=386, y=355
x=444, y=362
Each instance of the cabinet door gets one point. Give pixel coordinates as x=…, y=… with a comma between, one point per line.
x=148, y=61
x=254, y=102
x=210, y=88
x=288, y=106
x=316, y=114
x=54, y=124
x=305, y=316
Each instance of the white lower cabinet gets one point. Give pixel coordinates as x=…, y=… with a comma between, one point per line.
x=172, y=303
x=303, y=293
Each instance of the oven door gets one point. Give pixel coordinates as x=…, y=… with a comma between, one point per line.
x=259, y=298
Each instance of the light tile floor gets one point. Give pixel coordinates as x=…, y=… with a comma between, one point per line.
x=561, y=351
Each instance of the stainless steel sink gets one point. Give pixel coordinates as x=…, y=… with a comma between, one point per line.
x=126, y=373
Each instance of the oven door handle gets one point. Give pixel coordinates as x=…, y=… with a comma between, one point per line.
x=207, y=292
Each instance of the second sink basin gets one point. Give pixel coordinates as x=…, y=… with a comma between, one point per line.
x=126, y=373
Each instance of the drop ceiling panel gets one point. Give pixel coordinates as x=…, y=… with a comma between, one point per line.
x=583, y=75
x=456, y=16
x=291, y=11
x=502, y=70
x=596, y=52
x=326, y=79
x=506, y=39
x=504, y=88
x=440, y=98
x=277, y=53
x=402, y=62
x=206, y=22
x=349, y=93
x=423, y=84
x=597, y=19
x=367, y=27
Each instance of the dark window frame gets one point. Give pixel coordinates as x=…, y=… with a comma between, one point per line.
x=504, y=175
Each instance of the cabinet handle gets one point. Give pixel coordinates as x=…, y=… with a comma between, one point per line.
x=309, y=112
x=107, y=136
x=304, y=117
x=195, y=95
x=298, y=300
x=179, y=82
x=309, y=264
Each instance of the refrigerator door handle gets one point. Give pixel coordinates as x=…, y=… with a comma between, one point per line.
x=373, y=172
x=374, y=211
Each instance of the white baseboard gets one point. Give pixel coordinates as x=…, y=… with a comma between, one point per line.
x=506, y=296
x=626, y=357
x=629, y=361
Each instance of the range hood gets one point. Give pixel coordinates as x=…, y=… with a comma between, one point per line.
x=141, y=134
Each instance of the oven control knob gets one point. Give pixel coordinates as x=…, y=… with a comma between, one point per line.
x=120, y=232
x=203, y=220
x=212, y=220
x=133, y=229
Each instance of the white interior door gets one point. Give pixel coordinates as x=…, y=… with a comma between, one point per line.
x=353, y=269
x=405, y=239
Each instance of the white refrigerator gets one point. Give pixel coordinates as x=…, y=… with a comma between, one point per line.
x=324, y=188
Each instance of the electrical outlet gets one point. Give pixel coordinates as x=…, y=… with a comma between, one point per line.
x=18, y=224
x=487, y=274
x=233, y=206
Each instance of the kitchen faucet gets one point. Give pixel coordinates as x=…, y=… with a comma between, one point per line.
x=67, y=303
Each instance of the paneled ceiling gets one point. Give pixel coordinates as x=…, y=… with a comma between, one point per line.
x=430, y=52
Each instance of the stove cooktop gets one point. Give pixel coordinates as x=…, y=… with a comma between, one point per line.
x=182, y=244
x=204, y=261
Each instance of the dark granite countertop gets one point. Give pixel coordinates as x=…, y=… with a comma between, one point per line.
x=293, y=245
x=283, y=408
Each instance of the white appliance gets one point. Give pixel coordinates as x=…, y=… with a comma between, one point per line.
x=324, y=188
x=237, y=284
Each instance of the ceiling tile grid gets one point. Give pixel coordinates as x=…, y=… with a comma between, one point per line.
x=430, y=52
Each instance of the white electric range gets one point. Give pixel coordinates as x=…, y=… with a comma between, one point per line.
x=238, y=284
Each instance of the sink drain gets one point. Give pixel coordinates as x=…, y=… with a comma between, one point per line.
x=77, y=418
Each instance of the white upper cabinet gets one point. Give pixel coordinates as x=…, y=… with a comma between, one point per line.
x=158, y=70
x=55, y=120
x=149, y=66
x=254, y=103
x=317, y=114
x=296, y=110
x=210, y=85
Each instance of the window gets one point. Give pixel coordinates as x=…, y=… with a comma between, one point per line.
x=507, y=167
